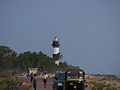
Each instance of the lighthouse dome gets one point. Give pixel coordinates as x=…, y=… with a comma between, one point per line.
x=56, y=39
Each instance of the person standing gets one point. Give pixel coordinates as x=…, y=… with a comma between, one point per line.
x=45, y=76
x=34, y=82
x=31, y=77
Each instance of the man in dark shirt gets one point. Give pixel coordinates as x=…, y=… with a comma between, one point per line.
x=34, y=82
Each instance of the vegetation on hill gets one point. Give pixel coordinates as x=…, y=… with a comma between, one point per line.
x=11, y=61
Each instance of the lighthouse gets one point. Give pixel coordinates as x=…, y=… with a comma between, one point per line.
x=56, y=50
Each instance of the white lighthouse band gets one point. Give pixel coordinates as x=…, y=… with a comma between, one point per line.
x=56, y=50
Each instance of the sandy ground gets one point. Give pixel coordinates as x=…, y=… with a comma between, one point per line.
x=40, y=85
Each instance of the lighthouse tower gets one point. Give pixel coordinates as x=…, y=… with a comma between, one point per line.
x=56, y=50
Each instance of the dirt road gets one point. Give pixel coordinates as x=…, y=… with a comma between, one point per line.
x=40, y=85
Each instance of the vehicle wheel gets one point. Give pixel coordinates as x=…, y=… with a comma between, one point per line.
x=60, y=88
x=80, y=86
x=68, y=88
x=53, y=87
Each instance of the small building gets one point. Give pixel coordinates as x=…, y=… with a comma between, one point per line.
x=33, y=70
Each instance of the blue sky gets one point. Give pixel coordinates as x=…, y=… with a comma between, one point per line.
x=89, y=30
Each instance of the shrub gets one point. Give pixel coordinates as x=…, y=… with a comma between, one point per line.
x=7, y=82
x=102, y=86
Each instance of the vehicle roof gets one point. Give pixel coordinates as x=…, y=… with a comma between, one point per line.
x=74, y=70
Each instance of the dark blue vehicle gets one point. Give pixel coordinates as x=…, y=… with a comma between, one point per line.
x=59, y=81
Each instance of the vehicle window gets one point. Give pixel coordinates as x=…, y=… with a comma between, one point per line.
x=61, y=76
x=73, y=75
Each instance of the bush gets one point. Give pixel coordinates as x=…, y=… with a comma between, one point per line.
x=98, y=85
x=110, y=87
x=7, y=82
x=101, y=86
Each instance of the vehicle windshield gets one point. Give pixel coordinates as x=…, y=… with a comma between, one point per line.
x=61, y=76
x=74, y=75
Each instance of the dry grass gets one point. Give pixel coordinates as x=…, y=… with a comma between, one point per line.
x=26, y=84
x=95, y=82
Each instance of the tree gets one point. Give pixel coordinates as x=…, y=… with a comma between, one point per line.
x=9, y=60
x=7, y=56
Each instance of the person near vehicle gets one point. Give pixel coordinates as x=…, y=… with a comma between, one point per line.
x=45, y=76
x=31, y=77
x=34, y=82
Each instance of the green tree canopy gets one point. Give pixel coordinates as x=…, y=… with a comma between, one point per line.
x=11, y=61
